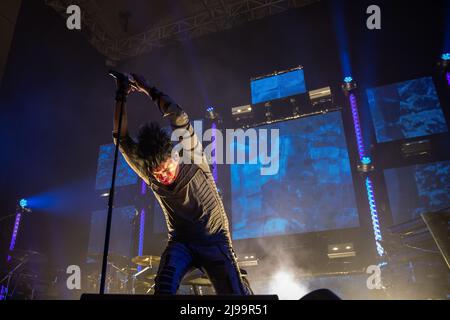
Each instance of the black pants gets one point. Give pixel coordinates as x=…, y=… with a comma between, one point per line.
x=218, y=261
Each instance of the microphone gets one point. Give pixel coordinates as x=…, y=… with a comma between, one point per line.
x=123, y=78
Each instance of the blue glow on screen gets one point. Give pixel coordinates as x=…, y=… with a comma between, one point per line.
x=121, y=240
x=418, y=189
x=159, y=221
x=313, y=190
x=278, y=86
x=125, y=175
x=406, y=110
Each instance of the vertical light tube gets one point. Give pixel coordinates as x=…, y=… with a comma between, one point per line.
x=14, y=234
x=374, y=216
x=213, y=151
x=357, y=125
x=368, y=181
x=141, y=226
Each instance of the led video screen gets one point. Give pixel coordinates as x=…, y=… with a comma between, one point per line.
x=125, y=175
x=121, y=240
x=278, y=86
x=418, y=189
x=406, y=110
x=312, y=191
x=159, y=221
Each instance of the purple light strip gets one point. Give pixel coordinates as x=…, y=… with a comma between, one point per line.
x=14, y=234
x=3, y=292
x=369, y=184
x=141, y=226
x=448, y=78
x=213, y=151
x=141, y=232
x=357, y=125
x=143, y=187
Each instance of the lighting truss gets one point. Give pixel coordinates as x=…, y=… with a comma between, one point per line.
x=217, y=15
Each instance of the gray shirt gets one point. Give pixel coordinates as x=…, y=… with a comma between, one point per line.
x=192, y=206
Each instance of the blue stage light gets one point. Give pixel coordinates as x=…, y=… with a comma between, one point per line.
x=366, y=160
x=445, y=56
x=348, y=79
x=23, y=203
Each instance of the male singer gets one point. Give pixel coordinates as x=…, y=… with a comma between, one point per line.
x=199, y=235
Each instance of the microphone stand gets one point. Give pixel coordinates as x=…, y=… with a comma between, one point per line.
x=123, y=85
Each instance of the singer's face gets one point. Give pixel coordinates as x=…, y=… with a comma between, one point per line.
x=167, y=172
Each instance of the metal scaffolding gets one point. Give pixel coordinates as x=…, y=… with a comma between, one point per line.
x=216, y=15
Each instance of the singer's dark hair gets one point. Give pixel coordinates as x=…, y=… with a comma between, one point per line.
x=154, y=144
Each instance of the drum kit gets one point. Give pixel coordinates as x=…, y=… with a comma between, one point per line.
x=124, y=276
x=138, y=276
x=23, y=275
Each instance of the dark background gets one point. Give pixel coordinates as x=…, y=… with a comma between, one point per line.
x=56, y=100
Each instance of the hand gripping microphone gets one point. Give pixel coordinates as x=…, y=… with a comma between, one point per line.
x=123, y=78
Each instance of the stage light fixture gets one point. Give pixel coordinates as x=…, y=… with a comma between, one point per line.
x=416, y=148
x=366, y=160
x=248, y=260
x=211, y=113
x=366, y=165
x=244, y=112
x=342, y=250
x=321, y=97
x=237, y=111
x=23, y=203
x=444, y=64
x=349, y=84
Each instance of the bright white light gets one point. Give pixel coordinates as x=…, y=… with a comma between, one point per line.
x=335, y=249
x=287, y=287
x=348, y=247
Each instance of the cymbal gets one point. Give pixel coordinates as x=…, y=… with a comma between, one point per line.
x=150, y=276
x=113, y=258
x=144, y=284
x=28, y=256
x=145, y=261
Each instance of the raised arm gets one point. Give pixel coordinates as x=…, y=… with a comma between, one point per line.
x=124, y=125
x=178, y=118
x=168, y=108
x=128, y=147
